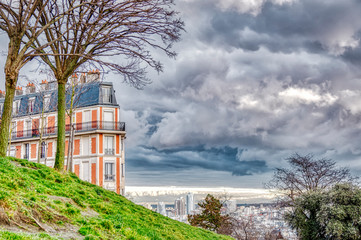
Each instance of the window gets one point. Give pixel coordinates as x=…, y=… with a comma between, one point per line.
x=109, y=172
x=12, y=151
x=28, y=128
x=46, y=103
x=109, y=145
x=16, y=107
x=123, y=170
x=107, y=97
x=26, y=155
x=43, y=149
x=86, y=146
x=87, y=120
x=108, y=122
x=31, y=105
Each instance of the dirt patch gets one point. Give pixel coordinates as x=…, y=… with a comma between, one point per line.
x=4, y=220
x=68, y=231
x=62, y=199
x=85, y=213
x=89, y=213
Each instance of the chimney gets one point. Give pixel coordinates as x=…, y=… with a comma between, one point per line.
x=82, y=78
x=74, y=78
x=44, y=85
x=93, y=76
x=2, y=94
x=30, y=88
x=52, y=85
x=18, y=91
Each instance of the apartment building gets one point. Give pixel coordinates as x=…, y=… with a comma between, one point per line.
x=98, y=134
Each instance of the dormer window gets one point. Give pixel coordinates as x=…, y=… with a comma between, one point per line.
x=16, y=106
x=31, y=105
x=107, y=96
x=46, y=103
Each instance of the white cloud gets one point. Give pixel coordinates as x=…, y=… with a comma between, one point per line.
x=307, y=96
x=253, y=7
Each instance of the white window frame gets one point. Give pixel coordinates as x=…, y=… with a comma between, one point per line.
x=27, y=153
x=43, y=150
x=106, y=98
x=46, y=102
x=16, y=106
x=31, y=105
x=109, y=171
x=109, y=151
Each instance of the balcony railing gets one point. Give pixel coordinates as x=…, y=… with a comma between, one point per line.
x=109, y=177
x=78, y=127
x=109, y=151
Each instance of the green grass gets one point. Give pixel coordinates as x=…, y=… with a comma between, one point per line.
x=33, y=194
x=22, y=236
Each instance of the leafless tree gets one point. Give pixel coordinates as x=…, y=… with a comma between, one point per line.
x=111, y=34
x=307, y=174
x=20, y=20
x=244, y=229
x=42, y=110
x=77, y=85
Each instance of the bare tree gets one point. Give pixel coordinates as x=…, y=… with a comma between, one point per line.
x=110, y=34
x=20, y=20
x=243, y=228
x=77, y=85
x=307, y=174
x=44, y=108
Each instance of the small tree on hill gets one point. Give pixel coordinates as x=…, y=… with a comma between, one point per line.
x=210, y=218
x=307, y=174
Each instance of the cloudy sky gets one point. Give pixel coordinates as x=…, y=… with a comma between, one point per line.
x=254, y=82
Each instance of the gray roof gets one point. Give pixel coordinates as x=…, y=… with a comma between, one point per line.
x=87, y=94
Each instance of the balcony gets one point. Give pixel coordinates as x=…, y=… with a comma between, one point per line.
x=109, y=177
x=109, y=151
x=78, y=127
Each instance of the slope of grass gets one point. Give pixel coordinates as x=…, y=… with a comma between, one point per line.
x=47, y=205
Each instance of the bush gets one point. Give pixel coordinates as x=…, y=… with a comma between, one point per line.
x=328, y=214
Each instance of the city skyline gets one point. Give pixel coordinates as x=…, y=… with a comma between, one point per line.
x=253, y=83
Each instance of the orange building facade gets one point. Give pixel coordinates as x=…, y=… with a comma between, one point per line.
x=98, y=142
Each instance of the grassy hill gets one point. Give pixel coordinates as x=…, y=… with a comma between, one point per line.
x=36, y=202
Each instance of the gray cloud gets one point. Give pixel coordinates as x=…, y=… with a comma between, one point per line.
x=252, y=84
x=270, y=82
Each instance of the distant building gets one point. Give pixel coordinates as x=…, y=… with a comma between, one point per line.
x=231, y=206
x=161, y=208
x=98, y=154
x=180, y=207
x=190, y=203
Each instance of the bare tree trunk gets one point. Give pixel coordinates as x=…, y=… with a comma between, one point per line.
x=6, y=116
x=71, y=134
x=60, y=146
x=41, y=132
x=72, y=147
x=11, y=130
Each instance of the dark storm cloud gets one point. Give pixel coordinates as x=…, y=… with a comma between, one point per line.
x=218, y=159
x=272, y=81
x=301, y=25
